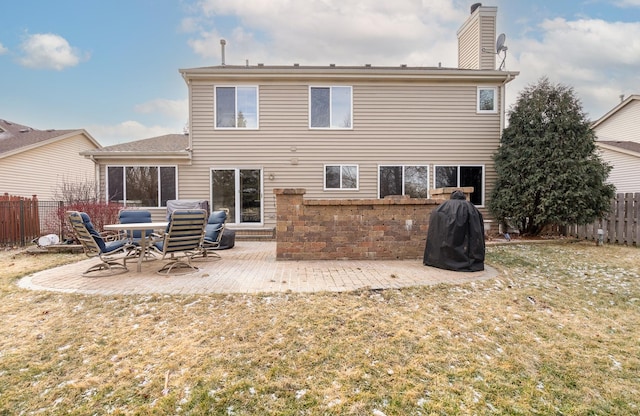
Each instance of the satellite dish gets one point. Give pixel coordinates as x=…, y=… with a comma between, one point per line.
x=500, y=43
x=500, y=47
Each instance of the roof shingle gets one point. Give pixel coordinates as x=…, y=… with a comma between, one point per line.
x=14, y=136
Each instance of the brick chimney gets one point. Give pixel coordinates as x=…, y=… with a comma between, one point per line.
x=477, y=39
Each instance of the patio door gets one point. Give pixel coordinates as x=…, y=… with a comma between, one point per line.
x=239, y=190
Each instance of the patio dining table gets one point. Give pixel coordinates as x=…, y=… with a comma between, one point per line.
x=142, y=227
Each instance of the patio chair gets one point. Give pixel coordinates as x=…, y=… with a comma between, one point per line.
x=182, y=240
x=95, y=244
x=130, y=216
x=213, y=234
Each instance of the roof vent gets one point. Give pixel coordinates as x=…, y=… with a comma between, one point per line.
x=474, y=6
x=332, y=65
x=25, y=130
x=222, y=43
x=367, y=65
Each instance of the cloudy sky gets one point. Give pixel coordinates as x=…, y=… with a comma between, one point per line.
x=111, y=67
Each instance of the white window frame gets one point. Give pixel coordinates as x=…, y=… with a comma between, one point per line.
x=215, y=108
x=458, y=166
x=124, y=181
x=403, y=166
x=238, y=207
x=341, y=165
x=331, y=127
x=495, y=100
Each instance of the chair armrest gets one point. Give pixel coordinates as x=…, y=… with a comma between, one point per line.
x=112, y=235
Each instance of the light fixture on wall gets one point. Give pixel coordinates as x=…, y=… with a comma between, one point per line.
x=272, y=176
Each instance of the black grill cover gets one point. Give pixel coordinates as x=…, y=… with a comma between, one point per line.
x=455, y=240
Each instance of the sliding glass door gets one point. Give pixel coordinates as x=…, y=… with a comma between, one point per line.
x=239, y=190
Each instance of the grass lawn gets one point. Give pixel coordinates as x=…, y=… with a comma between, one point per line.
x=557, y=332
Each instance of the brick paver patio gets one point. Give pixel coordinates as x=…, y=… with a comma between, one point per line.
x=251, y=267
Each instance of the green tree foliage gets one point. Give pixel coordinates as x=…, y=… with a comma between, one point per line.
x=547, y=166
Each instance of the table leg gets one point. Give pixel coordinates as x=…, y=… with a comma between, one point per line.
x=143, y=250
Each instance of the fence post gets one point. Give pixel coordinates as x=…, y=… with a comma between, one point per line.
x=22, y=234
x=61, y=219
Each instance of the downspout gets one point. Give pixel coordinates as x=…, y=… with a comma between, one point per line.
x=502, y=102
x=97, y=174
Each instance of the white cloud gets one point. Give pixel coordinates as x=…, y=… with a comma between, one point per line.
x=48, y=51
x=332, y=31
x=3, y=49
x=627, y=3
x=598, y=59
x=176, y=109
x=128, y=131
x=189, y=25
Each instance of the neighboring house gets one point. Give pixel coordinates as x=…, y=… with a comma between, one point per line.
x=38, y=162
x=618, y=134
x=336, y=131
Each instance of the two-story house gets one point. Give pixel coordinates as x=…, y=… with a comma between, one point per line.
x=337, y=131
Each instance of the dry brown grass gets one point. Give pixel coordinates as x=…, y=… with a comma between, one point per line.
x=556, y=333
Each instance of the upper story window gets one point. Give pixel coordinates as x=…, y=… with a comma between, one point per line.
x=460, y=176
x=487, y=102
x=236, y=107
x=340, y=177
x=404, y=180
x=330, y=107
x=144, y=186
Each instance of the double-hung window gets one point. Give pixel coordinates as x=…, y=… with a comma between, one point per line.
x=236, y=107
x=340, y=177
x=404, y=180
x=145, y=186
x=330, y=107
x=487, y=102
x=461, y=176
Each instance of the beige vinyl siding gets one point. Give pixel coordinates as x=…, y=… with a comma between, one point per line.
x=416, y=123
x=469, y=46
x=625, y=170
x=624, y=125
x=477, y=40
x=42, y=170
x=488, y=42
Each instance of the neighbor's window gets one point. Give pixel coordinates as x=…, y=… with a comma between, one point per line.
x=459, y=176
x=236, y=107
x=404, y=180
x=487, y=100
x=144, y=186
x=341, y=177
x=330, y=107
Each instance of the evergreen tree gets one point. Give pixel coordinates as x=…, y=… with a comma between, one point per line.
x=547, y=166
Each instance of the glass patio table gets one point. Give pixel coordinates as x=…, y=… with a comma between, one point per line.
x=142, y=227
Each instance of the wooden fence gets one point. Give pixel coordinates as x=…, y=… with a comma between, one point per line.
x=19, y=219
x=621, y=226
